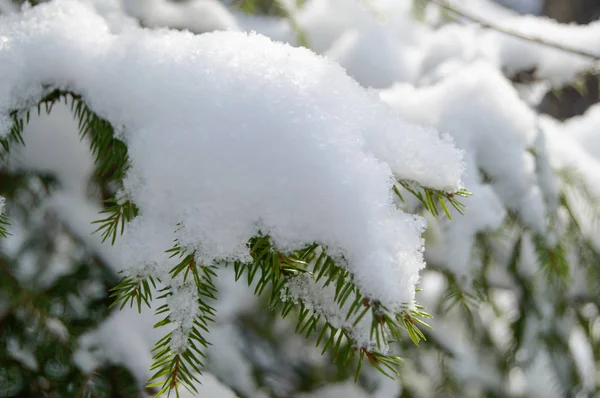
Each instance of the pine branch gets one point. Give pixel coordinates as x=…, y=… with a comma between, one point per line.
x=38, y=319
x=179, y=364
x=110, y=153
x=429, y=197
x=118, y=215
x=130, y=290
x=457, y=296
x=15, y=135
x=314, y=263
x=4, y=223
x=447, y=6
x=20, y=118
x=178, y=357
x=553, y=261
x=112, y=163
x=575, y=183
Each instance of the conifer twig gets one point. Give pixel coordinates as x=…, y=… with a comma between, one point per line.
x=444, y=4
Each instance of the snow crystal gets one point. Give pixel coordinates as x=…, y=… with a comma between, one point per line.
x=230, y=134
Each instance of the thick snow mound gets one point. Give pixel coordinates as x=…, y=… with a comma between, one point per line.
x=488, y=120
x=231, y=134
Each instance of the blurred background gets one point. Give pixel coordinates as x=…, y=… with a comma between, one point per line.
x=513, y=285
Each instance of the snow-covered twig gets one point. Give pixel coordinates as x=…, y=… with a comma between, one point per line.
x=444, y=4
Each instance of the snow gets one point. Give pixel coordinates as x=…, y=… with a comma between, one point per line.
x=542, y=378
x=374, y=57
x=346, y=389
x=50, y=139
x=485, y=214
x=7, y=6
x=571, y=149
x=201, y=16
x=379, y=42
x=25, y=356
x=585, y=130
x=315, y=146
x=376, y=42
x=320, y=298
x=197, y=15
x=228, y=362
x=566, y=153
x=583, y=354
x=233, y=134
x=57, y=328
x=553, y=64
x=486, y=118
x=326, y=20
x=183, y=305
x=481, y=9
x=126, y=337
x=114, y=13
x=466, y=42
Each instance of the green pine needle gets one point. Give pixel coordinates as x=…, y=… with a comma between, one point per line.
x=118, y=214
x=430, y=198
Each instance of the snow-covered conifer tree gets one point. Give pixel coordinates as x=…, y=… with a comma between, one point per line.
x=272, y=198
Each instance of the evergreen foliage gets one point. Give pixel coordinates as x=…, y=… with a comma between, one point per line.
x=269, y=271
x=36, y=316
